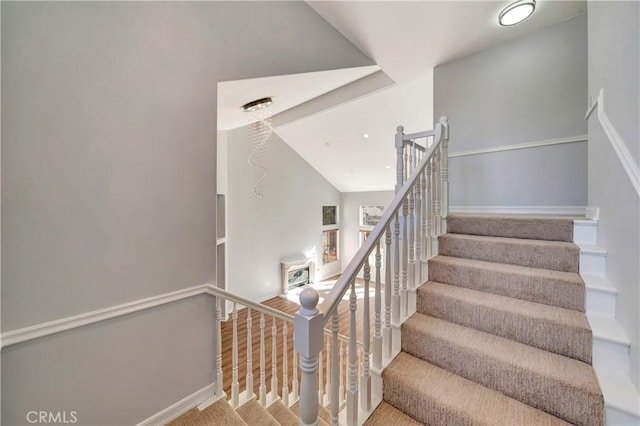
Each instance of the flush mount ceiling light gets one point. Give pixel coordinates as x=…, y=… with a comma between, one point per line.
x=257, y=105
x=516, y=12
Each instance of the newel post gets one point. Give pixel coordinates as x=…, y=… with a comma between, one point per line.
x=308, y=343
x=444, y=122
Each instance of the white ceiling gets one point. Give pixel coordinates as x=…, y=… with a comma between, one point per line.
x=333, y=141
x=406, y=39
x=286, y=91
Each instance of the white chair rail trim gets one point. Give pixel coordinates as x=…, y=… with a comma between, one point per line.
x=524, y=145
x=620, y=148
x=57, y=326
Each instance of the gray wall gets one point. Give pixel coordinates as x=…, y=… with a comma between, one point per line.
x=350, y=219
x=614, y=45
x=529, y=89
x=285, y=223
x=109, y=183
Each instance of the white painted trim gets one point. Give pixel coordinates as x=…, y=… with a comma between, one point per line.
x=618, y=145
x=174, y=411
x=533, y=210
x=525, y=145
x=44, y=329
x=593, y=213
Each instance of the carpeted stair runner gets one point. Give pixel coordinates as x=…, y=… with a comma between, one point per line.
x=220, y=413
x=548, y=228
x=386, y=414
x=283, y=415
x=553, y=329
x=253, y=413
x=554, y=288
x=499, y=336
x=434, y=396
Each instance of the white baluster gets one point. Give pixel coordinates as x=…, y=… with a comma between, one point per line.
x=395, y=300
x=327, y=372
x=235, y=386
x=352, y=391
x=365, y=378
x=445, y=172
x=263, y=385
x=426, y=225
x=412, y=242
x=341, y=390
x=274, y=361
x=388, y=340
x=321, y=374
x=438, y=194
x=418, y=228
x=377, y=323
x=335, y=370
x=285, y=364
x=309, y=331
x=218, y=327
x=434, y=233
x=404, y=258
x=249, y=382
x=294, y=383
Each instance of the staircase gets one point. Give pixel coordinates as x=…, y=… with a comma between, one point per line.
x=500, y=335
x=251, y=413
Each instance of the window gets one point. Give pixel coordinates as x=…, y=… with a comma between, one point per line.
x=329, y=215
x=329, y=246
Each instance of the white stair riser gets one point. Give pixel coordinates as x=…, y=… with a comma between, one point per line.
x=593, y=264
x=601, y=303
x=618, y=417
x=585, y=233
x=611, y=357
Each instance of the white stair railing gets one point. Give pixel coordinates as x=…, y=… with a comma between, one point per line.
x=410, y=226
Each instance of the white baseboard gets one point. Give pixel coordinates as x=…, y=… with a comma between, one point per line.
x=533, y=210
x=180, y=407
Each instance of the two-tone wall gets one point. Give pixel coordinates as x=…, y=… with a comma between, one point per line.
x=109, y=188
x=531, y=90
x=614, y=69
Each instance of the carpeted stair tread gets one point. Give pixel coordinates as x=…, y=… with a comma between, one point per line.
x=386, y=414
x=220, y=413
x=324, y=416
x=282, y=414
x=562, y=331
x=558, y=385
x=555, y=288
x=551, y=228
x=555, y=255
x=434, y=396
x=186, y=419
x=253, y=413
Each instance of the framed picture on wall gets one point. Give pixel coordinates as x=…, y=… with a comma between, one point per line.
x=370, y=215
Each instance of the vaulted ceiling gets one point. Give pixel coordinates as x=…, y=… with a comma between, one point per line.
x=325, y=116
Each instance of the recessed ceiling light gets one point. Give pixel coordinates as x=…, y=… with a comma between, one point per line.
x=516, y=12
x=387, y=167
x=366, y=135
